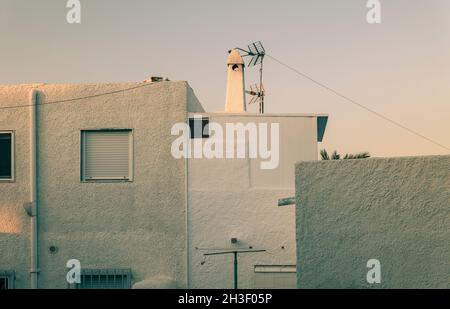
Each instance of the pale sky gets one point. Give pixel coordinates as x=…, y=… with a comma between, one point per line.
x=400, y=68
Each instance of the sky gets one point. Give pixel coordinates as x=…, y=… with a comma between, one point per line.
x=400, y=68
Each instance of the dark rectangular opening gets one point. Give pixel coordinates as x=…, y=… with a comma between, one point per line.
x=4, y=283
x=5, y=155
x=199, y=127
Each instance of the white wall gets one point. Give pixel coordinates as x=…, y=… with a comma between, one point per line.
x=234, y=198
x=14, y=223
x=395, y=210
x=139, y=224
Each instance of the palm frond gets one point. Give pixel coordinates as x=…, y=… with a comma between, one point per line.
x=335, y=156
x=324, y=155
x=362, y=155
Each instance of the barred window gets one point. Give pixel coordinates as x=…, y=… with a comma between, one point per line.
x=6, y=280
x=105, y=279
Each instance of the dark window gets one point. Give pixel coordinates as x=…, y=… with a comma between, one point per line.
x=4, y=284
x=6, y=280
x=199, y=127
x=5, y=155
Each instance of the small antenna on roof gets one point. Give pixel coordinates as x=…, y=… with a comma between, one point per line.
x=257, y=52
x=257, y=93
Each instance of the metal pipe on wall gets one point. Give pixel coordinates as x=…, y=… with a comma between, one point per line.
x=34, y=270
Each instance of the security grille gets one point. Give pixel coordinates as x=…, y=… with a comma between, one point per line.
x=105, y=279
x=6, y=280
x=4, y=283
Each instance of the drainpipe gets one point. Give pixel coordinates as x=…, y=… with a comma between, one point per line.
x=186, y=209
x=33, y=208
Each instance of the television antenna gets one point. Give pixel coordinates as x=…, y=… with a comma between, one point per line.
x=257, y=52
x=257, y=93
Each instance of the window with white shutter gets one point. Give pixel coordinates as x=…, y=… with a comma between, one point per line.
x=106, y=155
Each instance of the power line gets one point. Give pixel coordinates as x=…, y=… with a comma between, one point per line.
x=279, y=62
x=357, y=103
x=79, y=98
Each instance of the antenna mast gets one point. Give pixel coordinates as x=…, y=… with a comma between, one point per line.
x=257, y=52
x=261, y=103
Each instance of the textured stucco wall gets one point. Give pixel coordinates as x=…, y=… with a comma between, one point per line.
x=396, y=210
x=139, y=224
x=14, y=223
x=234, y=198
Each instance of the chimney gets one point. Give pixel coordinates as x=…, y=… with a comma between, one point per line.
x=235, y=98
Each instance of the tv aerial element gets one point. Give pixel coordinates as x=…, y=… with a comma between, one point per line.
x=257, y=52
x=257, y=93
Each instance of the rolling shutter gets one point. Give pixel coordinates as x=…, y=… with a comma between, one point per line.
x=107, y=155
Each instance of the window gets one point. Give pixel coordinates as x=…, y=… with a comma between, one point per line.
x=105, y=279
x=6, y=156
x=6, y=280
x=106, y=155
x=199, y=127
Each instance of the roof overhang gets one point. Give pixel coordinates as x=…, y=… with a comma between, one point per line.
x=321, y=119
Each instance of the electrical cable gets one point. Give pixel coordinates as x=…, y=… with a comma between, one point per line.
x=80, y=98
x=358, y=104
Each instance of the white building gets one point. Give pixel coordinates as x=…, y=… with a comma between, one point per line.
x=109, y=192
x=232, y=203
x=87, y=173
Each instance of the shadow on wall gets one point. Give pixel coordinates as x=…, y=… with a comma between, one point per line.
x=157, y=282
x=10, y=221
